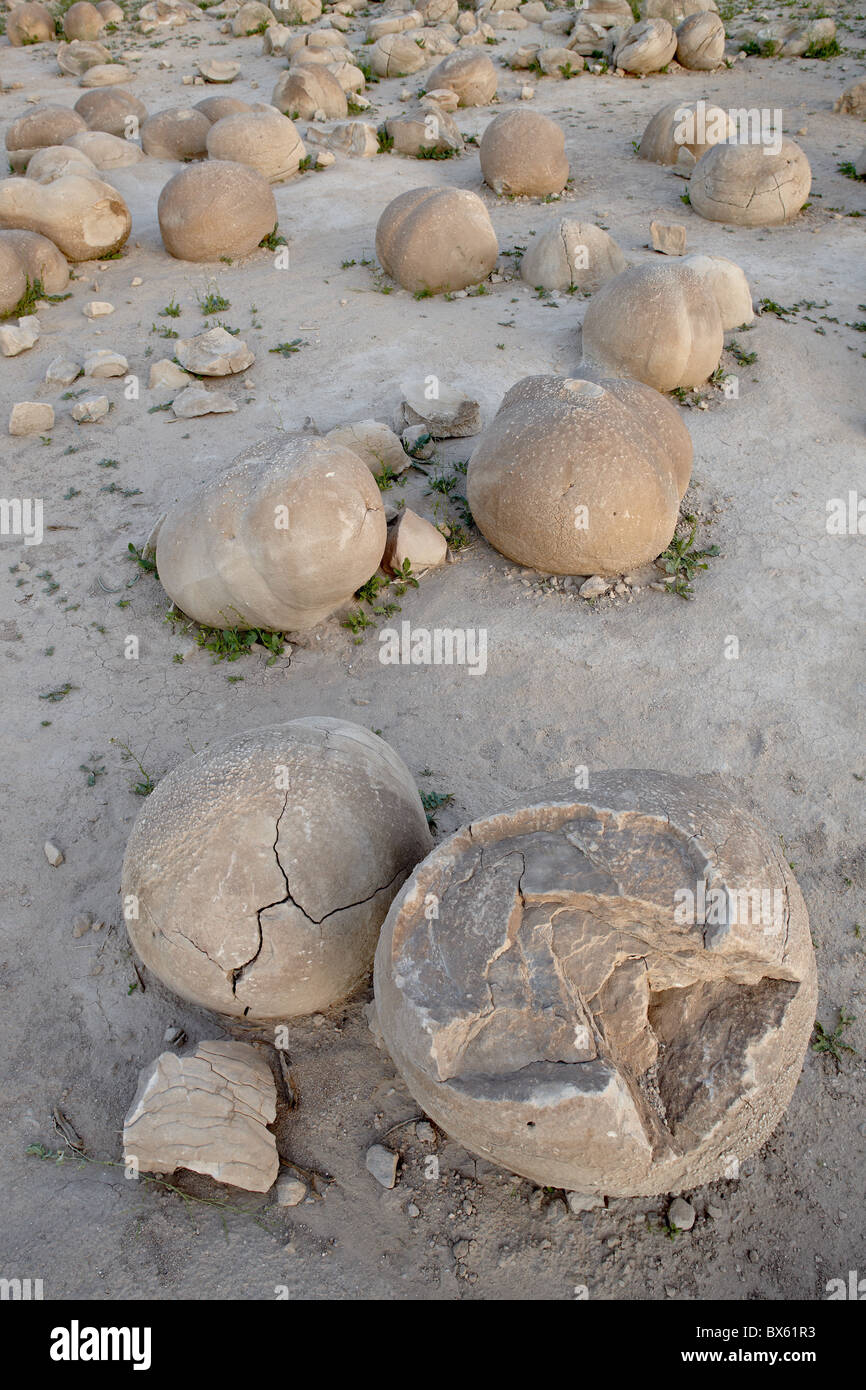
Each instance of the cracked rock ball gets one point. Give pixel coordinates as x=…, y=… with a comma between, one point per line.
x=279, y=540
x=261, y=870
x=580, y=475
x=608, y=991
x=435, y=239
x=751, y=185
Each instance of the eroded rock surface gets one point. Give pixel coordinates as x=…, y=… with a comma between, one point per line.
x=607, y=992
x=208, y=1112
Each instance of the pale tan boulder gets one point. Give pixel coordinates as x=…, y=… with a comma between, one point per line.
x=436, y=239
x=178, y=133
x=111, y=13
x=350, y=77
x=750, y=185
x=598, y=1029
x=76, y=58
x=55, y=161
x=215, y=209
x=414, y=540
x=659, y=323
x=580, y=475
x=26, y=257
x=701, y=42
x=214, y=353
x=355, y=139
x=207, y=1112
x=523, y=153
x=307, y=528
x=105, y=75
x=106, y=151
x=261, y=870
x=391, y=24
x=296, y=11
x=43, y=126
x=428, y=129
x=301, y=92
x=691, y=126
x=262, y=139
x=438, y=11
x=646, y=47
x=215, y=108
x=571, y=253
x=396, y=55
x=31, y=417
x=83, y=21
x=728, y=285
x=852, y=102
x=251, y=18
x=29, y=24
x=114, y=111
x=675, y=11
x=374, y=443
x=166, y=373
x=84, y=218
x=471, y=75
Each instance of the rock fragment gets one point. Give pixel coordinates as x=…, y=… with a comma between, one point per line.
x=382, y=1163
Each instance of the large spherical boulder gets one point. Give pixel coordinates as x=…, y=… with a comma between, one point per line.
x=178, y=133
x=215, y=108
x=28, y=24
x=85, y=218
x=258, y=873
x=280, y=540
x=83, y=21
x=728, y=285
x=303, y=91
x=701, y=42
x=112, y=110
x=571, y=253
x=471, y=75
x=26, y=257
x=55, y=161
x=523, y=152
x=395, y=55
x=43, y=126
x=657, y=323
x=436, y=239
x=580, y=475
x=76, y=59
x=215, y=209
x=751, y=185
x=609, y=991
x=106, y=151
x=694, y=127
x=262, y=139
x=675, y=11
x=646, y=47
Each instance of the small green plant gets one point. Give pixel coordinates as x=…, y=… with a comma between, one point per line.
x=273, y=239
x=143, y=561
x=850, y=171
x=146, y=784
x=163, y=331
x=287, y=349
x=213, y=303
x=230, y=643
x=684, y=198
x=386, y=479
x=433, y=802
x=769, y=306
x=34, y=292
x=832, y=1044
x=55, y=696
x=384, y=140
x=92, y=772
x=740, y=355
x=682, y=561
x=435, y=152
x=171, y=310
x=404, y=579
x=827, y=48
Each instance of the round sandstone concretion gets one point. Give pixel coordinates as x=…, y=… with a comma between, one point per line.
x=262, y=139
x=112, y=110
x=571, y=253
x=607, y=991
x=301, y=92
x=279, y=540
x=215, y=108
x=436, y=239
x=27, y=24
x=45, y=125
x=646, y=47
x=54, y=161
x=38, y=259
x=523, y=153
x=84, y=217
x=728, y=285
x=580, y=475
x=259, y=872
x=471, y=75
x=749, y=185
x=701, y=42
x=82, y=21
x=106, y=151
x=215, y=209
x=658, y=323
x=178, y=133
x=694, y=126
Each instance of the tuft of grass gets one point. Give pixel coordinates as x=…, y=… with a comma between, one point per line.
x=828, y=48
x=433, y=802
x=171, y=310
x=682, y=560
x=146, y=784
x=34, y=293
x=740, y=355
x=287, y=349
x=384, y=140
x=832, y=1044
x=213, y=303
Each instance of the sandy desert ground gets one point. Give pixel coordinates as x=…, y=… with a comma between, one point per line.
x=636, y=680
